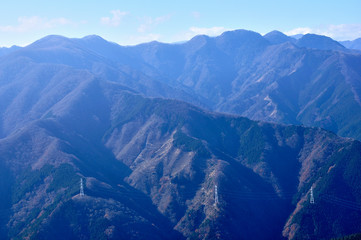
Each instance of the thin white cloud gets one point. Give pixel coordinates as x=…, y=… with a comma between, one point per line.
x=344, y=31
x=301, y=30
x=213, y=31
x=150, y=23
x=115, y=20
x=338, y=32
x=27, y=24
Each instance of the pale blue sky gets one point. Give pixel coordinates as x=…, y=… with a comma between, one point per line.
x=134, y=21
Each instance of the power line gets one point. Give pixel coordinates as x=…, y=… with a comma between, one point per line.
x=342, y=202
x=228, y=194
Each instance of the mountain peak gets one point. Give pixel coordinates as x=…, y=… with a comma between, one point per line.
x=201, y=37
x=239, y=33
x=237, y=38
x=51, y=41
x=277, y=37
x=275, y=32
x=297, y=36
x=198, y=41
x=319, y=42
x=95, y=42
x=93, y=37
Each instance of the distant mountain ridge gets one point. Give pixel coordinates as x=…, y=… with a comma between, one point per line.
x=226, y=72
x=355, y=44
x=319, y=42
x=312, y=41
x=5, y=50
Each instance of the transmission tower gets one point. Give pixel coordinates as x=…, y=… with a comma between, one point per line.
x=81, y=188
x=312, y=199
x=215, y=195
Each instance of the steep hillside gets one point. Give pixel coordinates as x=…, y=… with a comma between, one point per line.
x=151, y=166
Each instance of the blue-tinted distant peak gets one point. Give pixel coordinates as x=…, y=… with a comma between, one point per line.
x=319, y=42
x=277, y=37
x=234, y=37
x=355, y=44
x=241, y=38
x=240, y=33
x=93, y=38
x=152, y=43
x=275, y=33
x=200, y=37
x=51, y=41
x=53, y=38
x=5, y=50
x=199, y=40
x=297, y=36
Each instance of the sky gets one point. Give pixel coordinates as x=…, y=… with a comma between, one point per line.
x=130, y=22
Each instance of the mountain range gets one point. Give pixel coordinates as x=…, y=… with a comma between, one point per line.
x=178, y=141
x=310, y=81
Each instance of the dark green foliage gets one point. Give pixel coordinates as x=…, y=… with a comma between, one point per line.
x=64, y=176
x=89, y=218
x=339, y=179
x=189, y=144
x=97, y=228
x=132, y=105
x=289, y=131
x=252, y=144
x=28, y=181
